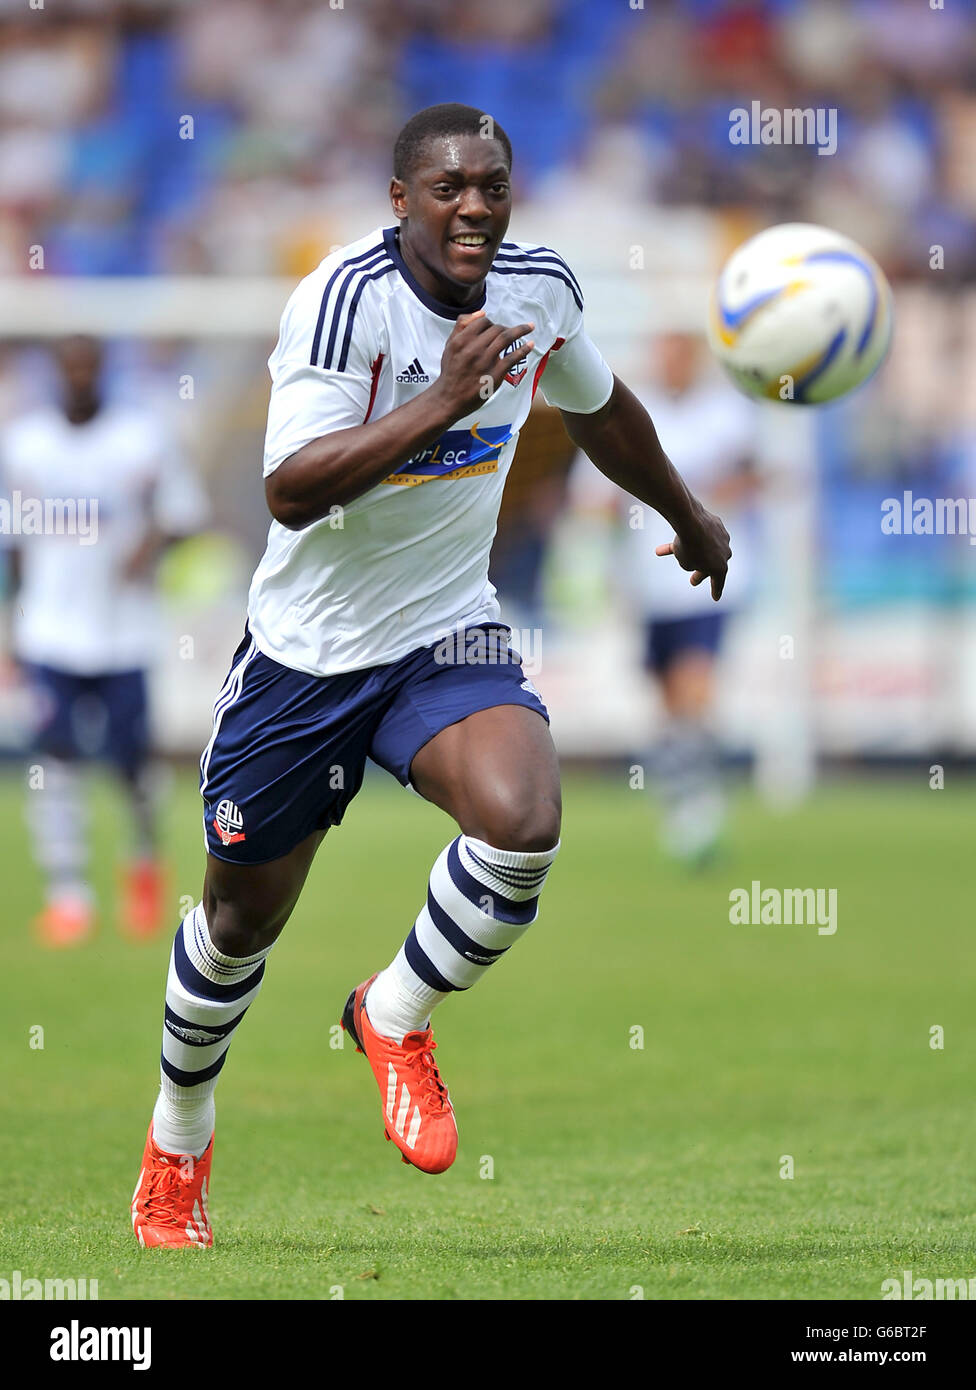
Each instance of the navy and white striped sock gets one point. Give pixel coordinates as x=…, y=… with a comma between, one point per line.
x=479, y=902
x=207, y=995
x=57, y=816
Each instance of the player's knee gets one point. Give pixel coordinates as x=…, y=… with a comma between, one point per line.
x=527, y=827
x=239, y=924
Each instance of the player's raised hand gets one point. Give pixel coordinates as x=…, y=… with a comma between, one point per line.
x=703, y=547
x=472, y=367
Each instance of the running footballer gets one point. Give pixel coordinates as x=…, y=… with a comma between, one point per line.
x=405, y=367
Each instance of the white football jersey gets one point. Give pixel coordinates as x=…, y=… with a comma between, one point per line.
x=407, y=561
x=707, y=432
x=107, y=480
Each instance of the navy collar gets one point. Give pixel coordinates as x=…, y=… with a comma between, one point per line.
x=445, y=311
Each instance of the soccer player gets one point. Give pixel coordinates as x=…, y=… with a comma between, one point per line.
x=405, y=366
x=710, y=429
x=112, y=493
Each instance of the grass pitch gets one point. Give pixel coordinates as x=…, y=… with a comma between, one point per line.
x=589, y=1167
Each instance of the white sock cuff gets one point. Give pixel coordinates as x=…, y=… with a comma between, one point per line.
x=512, y=858
x=211, y=963
x=516, y=874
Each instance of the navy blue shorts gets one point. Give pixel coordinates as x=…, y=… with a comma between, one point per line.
x=665, y=641
x=101, y=716
x=288, y=750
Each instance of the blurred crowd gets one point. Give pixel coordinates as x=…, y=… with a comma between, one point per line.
x=147, y=137
x=246, y=137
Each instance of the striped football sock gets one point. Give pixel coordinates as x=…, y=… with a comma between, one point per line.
x=207, y=995
x=57, y=817
x=687, y=769
x=479, y=902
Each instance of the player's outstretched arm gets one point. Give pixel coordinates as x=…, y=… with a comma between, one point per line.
x=621, y=440
x=342, y=465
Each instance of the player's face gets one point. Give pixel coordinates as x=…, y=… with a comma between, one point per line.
x=80, y=363
x=455, y=207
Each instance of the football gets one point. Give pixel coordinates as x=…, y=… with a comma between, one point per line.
x=800, y=314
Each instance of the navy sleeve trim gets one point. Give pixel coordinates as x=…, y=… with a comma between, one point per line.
x=511, y=253
x=331, y=309
x=497, y=269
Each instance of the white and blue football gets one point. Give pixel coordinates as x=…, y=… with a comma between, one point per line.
x=800, y=314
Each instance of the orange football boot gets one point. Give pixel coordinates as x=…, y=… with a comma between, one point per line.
x=417, y=1111
x=169, y=1205
x=66, y=921
x=142, y=909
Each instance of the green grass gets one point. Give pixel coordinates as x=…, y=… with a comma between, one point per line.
x=613, y=1166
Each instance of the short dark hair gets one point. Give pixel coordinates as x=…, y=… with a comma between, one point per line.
x=449, y=118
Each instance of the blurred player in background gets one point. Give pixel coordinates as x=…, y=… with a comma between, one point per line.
x=84, y=622
x=708, y=429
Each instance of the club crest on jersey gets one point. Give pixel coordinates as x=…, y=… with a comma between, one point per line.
x=229, y=823
x=517, y=373
x=457, y=454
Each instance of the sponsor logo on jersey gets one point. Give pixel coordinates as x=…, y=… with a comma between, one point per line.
x=517, y=373
x=457, y=454
x=229, y=823
x=413, y=374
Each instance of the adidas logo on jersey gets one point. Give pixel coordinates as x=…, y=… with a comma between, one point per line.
x=413, y=374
